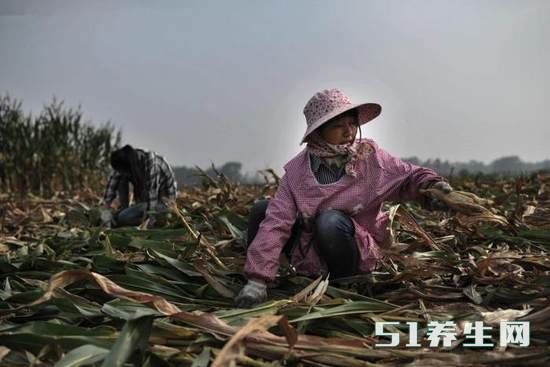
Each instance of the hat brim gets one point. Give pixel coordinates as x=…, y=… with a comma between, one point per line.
x=367, y=112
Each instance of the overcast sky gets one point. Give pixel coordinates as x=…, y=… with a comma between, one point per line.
x=202, y=81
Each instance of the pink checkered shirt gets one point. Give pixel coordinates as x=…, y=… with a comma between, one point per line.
x=381, y=177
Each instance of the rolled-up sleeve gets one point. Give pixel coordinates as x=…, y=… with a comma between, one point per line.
x=403, y=180
x=262, y=260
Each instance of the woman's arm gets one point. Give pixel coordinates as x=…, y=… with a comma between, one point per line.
x=401, y=180
x=262, y=260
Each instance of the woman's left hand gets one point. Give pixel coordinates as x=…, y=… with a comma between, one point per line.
x=442, y=186
x=435, y=204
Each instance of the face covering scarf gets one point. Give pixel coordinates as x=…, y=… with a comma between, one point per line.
x=339, y=154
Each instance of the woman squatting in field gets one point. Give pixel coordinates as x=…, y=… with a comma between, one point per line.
x=326, y=214
x=153, y=182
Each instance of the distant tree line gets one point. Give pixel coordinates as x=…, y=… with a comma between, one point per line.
x=190, y=176
x=55, y=151
x=510, y=165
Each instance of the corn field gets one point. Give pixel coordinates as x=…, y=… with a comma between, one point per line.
x=54, y=151
x=75, y=294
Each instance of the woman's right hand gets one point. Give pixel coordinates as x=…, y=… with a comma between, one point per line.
x=253, y=293
x=106, y=216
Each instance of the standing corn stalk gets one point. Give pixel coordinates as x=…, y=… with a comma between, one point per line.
x=57, y=150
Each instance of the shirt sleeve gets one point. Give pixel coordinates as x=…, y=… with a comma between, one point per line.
x=169, y=181
x=402, y=180
x=262, y=260
x=152, y=179
x=111, y=188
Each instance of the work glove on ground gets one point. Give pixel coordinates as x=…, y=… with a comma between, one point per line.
x=435, y=204
x=252, y=294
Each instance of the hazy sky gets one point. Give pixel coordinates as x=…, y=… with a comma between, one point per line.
x=202, y=81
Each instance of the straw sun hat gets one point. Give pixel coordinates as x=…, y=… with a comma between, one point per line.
x=330, y=103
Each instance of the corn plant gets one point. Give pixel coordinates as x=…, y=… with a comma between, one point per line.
x=54, y=151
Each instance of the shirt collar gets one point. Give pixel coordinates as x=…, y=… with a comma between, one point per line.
x=315, y=162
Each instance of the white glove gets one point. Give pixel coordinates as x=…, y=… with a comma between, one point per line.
x=252, y=294
x=435, y=204
x=106, y=218
x=442, y=186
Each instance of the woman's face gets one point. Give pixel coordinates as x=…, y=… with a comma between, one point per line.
x=340, y=130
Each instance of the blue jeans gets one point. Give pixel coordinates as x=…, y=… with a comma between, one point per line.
x=333, y=237
x=131, y=215
x=135, y=215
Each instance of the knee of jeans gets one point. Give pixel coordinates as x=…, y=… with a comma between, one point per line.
x=332, y=222
x=129, y=216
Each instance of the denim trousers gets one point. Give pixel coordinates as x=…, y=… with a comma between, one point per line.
x=131, y=215
x=333, y=238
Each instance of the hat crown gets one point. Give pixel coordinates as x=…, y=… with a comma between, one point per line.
x=324, y=103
